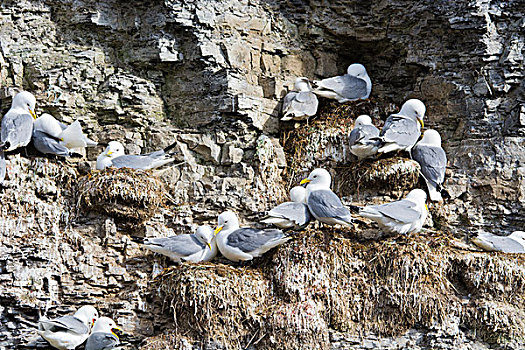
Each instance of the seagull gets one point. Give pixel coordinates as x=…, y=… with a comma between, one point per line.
x=242, y=244
x=401, y=131
x=433, y=161
x=514, y=243
x=68, y=332
x=114, y=156
x=52, y=137
x=301, y=103
x=354, y=85
x=17, y=126
x=363, y=138
x=198, y=247
x=17, y=123
x=324, y=204
x=104, y=335
x=290, y=215
x=405, y=216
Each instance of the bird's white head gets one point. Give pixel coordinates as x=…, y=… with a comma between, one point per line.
x=363, y=120
x=319, y=177
x=227, y=221
x=520, y=235
x=205, y=235
x=302, y=84
x=414, y=108
x=48, y=124
x=87, y=314
x=357, y=70
x=431, y=137
x=417, y=195
x=298, y=194
x=25, y=101
x=104, y=324
x=114, y=149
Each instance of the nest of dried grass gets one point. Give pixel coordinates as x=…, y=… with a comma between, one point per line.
x=386, y=175
x=121, y=193
x=216, y=302
x=322, y=280
x=390, y=286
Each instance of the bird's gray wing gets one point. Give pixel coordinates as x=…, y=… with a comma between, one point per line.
x=49, y=145
x=326, y=204
x=502, y=244
x=306, y=102
x=403, y=211
x=155, y=154
x=133, y=161
x=400, y=130
x=356, y=136
x=293, y=211
x=62, y=125
x=288, y=102
x=250, y=239
x=433, y=161
x=184, y=245
x=349, y=87
x=2, y=166
x=68, y=323
x=101, y=341
x=17, y=129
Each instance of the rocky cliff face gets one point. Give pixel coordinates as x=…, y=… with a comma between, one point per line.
x=209, y=76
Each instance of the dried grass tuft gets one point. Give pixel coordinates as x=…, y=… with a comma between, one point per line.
x=121, y=193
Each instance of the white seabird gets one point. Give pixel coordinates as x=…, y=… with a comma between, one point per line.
x=324, y=204
x=354, y=85
x=363, y=140
x=114, y=156
x=198, y=247
x=405, y=216
x=402, y=130
x=243, y=243
x=514, y=243
x=301, y=103
x=104, y=335
x=433, y=161
x=294, y=214
x=68, y=332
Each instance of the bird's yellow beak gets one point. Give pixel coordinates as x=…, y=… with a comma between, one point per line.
x=426, y=207
x=217, y=230
x=422, y=123
x=209, y=245
x=304, y=181
x=109, y=153
x=116, y=331
x=33, y=114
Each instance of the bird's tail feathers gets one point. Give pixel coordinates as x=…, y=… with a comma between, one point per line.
x=72, y=136
x=2, y=166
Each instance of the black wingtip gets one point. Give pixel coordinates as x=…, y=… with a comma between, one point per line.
x=170, y=147
x=354, y=208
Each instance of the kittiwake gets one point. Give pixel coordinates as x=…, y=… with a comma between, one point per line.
x=354, y=85
x=405, y=216
x=17, y=123
x=301, y=103
x=198, y=247
x=241, y=244
x=290, y=215
x=363, y=138
x=514, y=243
x=113, y=156
x=402, y=130
x=104, y=335
x=324, y=204
x=433, y=161
x=68, y=332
